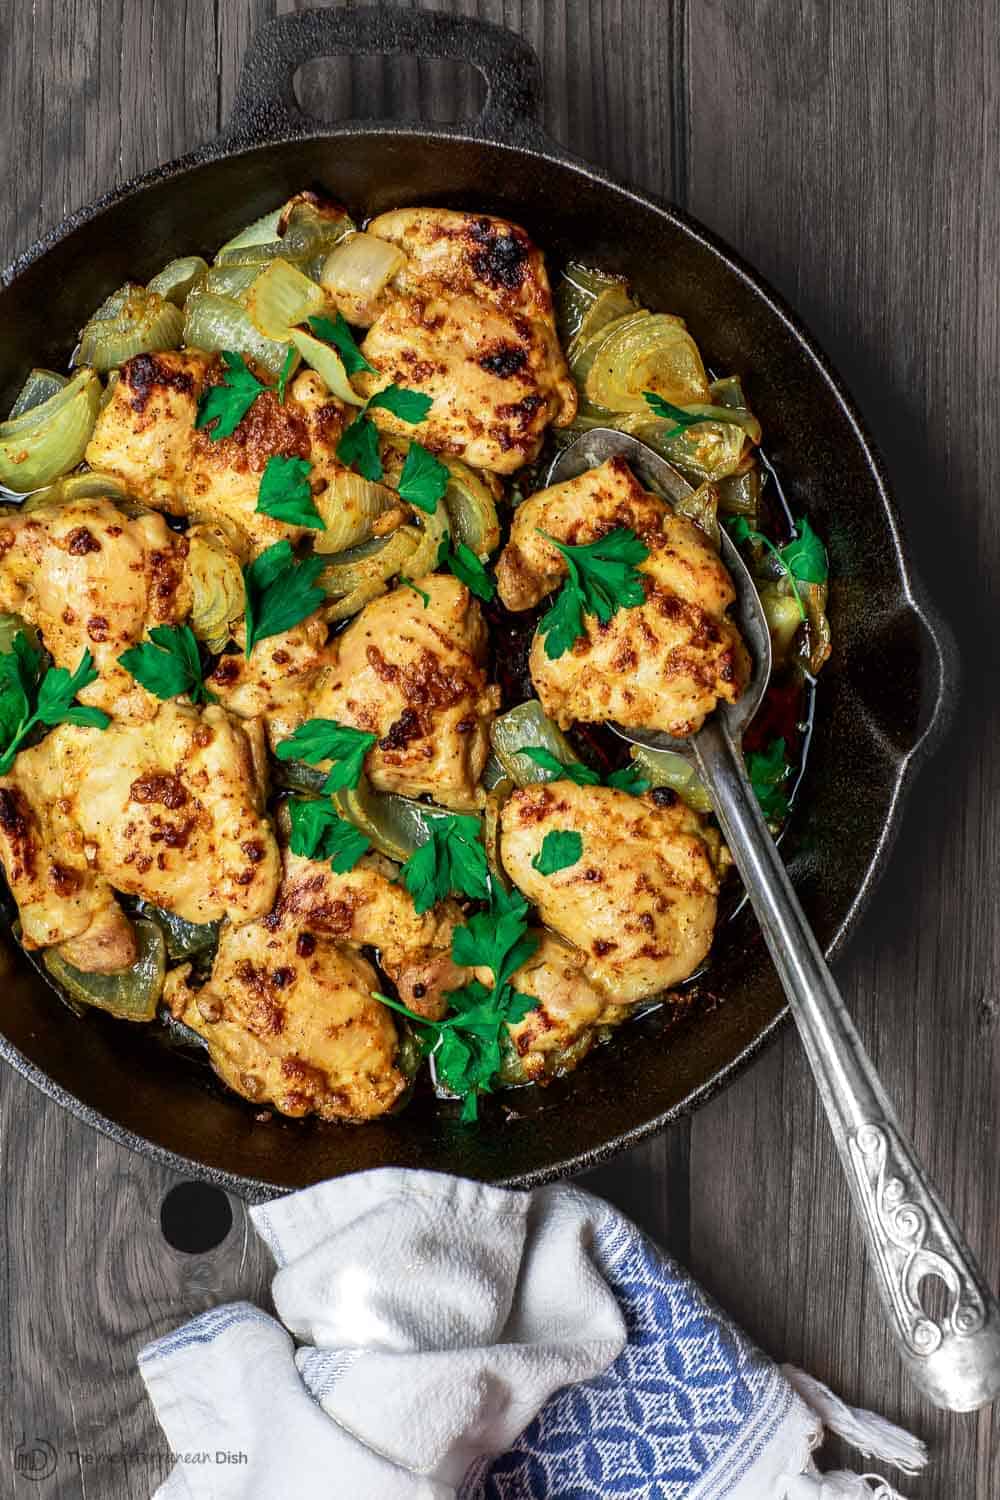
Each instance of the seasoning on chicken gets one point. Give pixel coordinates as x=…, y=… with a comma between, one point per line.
x=641, y=900
x=146, y=437
x=94, y=579
x=279, y=680
x=367, y=907
x=289, y=1019
x=661, y=665
x=416, y=677
x=170, y=810
x=468, y=321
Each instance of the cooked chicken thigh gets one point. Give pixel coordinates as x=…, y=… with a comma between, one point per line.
x=641, y=900
x=468, y=321
x=171, y=810
x=563, y=1026
x=147, y=439
x=290, y=1020
x=93, y=579
x=367, y=907
x=278, y=682
x=664, y=664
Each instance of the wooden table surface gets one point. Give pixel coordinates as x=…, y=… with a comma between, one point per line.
x=850, y=152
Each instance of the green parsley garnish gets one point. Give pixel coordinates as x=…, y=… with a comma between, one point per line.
x=670, y=413
x=424, y=479
x=359, y=441
x=318, y=832
x=226, y=405
x=453, y=859
x=629, y=779
x=768, y=771
x=408, y=583
x=286, y=495
x=467, y=568
x=603, y=579
x=574, y=771
x=168, y=664
x=561, y=847
x=336, y=332
x=286, y=371
x=325, y=739
x=803, y=559
x=29, y=696
x=467, y=1046
x=280, y=592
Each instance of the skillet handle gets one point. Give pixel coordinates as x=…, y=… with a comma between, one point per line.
x=266, y=109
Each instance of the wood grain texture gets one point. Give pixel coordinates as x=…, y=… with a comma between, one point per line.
x=850, y=153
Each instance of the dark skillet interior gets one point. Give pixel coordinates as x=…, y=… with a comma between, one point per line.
x=876, y=693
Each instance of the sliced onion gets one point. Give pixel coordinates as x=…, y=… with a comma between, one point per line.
x=140, y=324
x=280, y=297
x=230, y=281
x=50, y=439
x=179, y=278
x=39, y=386
x=212, y=323
x=356, y=274
x=611, y=303
x=432, y=531
x=90, y=485
x=702, y=507
x=327, y=363
x=349, y=505
x=354, y=602
x=310, y=226
x=217, y=590
x=667, y=768
x=397, y=826
x=528, y=724
x=374, y=561
x=472, y=512
x=261, y=232
x=739, y=493
x=131, y=995
x=578, y=289
x=654, y=352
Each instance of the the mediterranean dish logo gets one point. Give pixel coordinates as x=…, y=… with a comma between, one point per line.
x=37, y=1459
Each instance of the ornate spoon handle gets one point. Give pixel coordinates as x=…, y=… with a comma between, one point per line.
x=953, y=1358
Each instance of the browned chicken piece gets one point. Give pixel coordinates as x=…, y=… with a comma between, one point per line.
x=560, y=1031
x=93, y=579
x=367, y=907
x=641, y=900
x=147, y=439
x=171, y=810
x=664, y=664
x=290, y=1020
x=278, y=682
x=468, y=321
x=62, y=899
x=416, y=677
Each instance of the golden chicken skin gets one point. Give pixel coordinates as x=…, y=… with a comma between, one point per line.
x=146, y=437
x=278, y=682
x=93, y=579
x=368, y=907
x=640, y=901
x=468, y=321
x=660, y=665
x=171, y=810
x=415, y=675
x=290, y=1020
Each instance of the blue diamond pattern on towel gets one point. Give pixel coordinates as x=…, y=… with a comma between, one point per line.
x=678, y=1414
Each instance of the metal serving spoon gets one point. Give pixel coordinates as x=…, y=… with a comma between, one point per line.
x=953, y=1357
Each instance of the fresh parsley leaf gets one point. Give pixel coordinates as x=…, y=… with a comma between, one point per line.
x=359, y=446
x=408, y=583
x=407, y=405
x=285, y=493
x=575, y=771
x=223, y=407
x=629, y=779
x=603, y=578
x=424, y=479
x=280, y=592
x=286, y=371
x=336, y=332
x=670, y=413
x=561, y=847
x=453, y=859
x=28, y=697
x=168, y=664
x=741, y=531
x=467, y=568
x=318, y=832
x=325, y=739
x=769, y=770
x=805, y=555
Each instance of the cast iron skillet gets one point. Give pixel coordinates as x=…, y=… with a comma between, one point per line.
x=884, y=695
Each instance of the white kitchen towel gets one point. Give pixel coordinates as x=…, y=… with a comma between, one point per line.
x=446, y=1339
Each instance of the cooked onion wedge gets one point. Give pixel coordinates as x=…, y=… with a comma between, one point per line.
x=280, y=297
x=397, y=826
x=356, y=274
x=528, y=724
x=179, y=278
x=212, y=323
x=132, y=995
x=327, y=363
x=49, y=439
x=133, y=321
